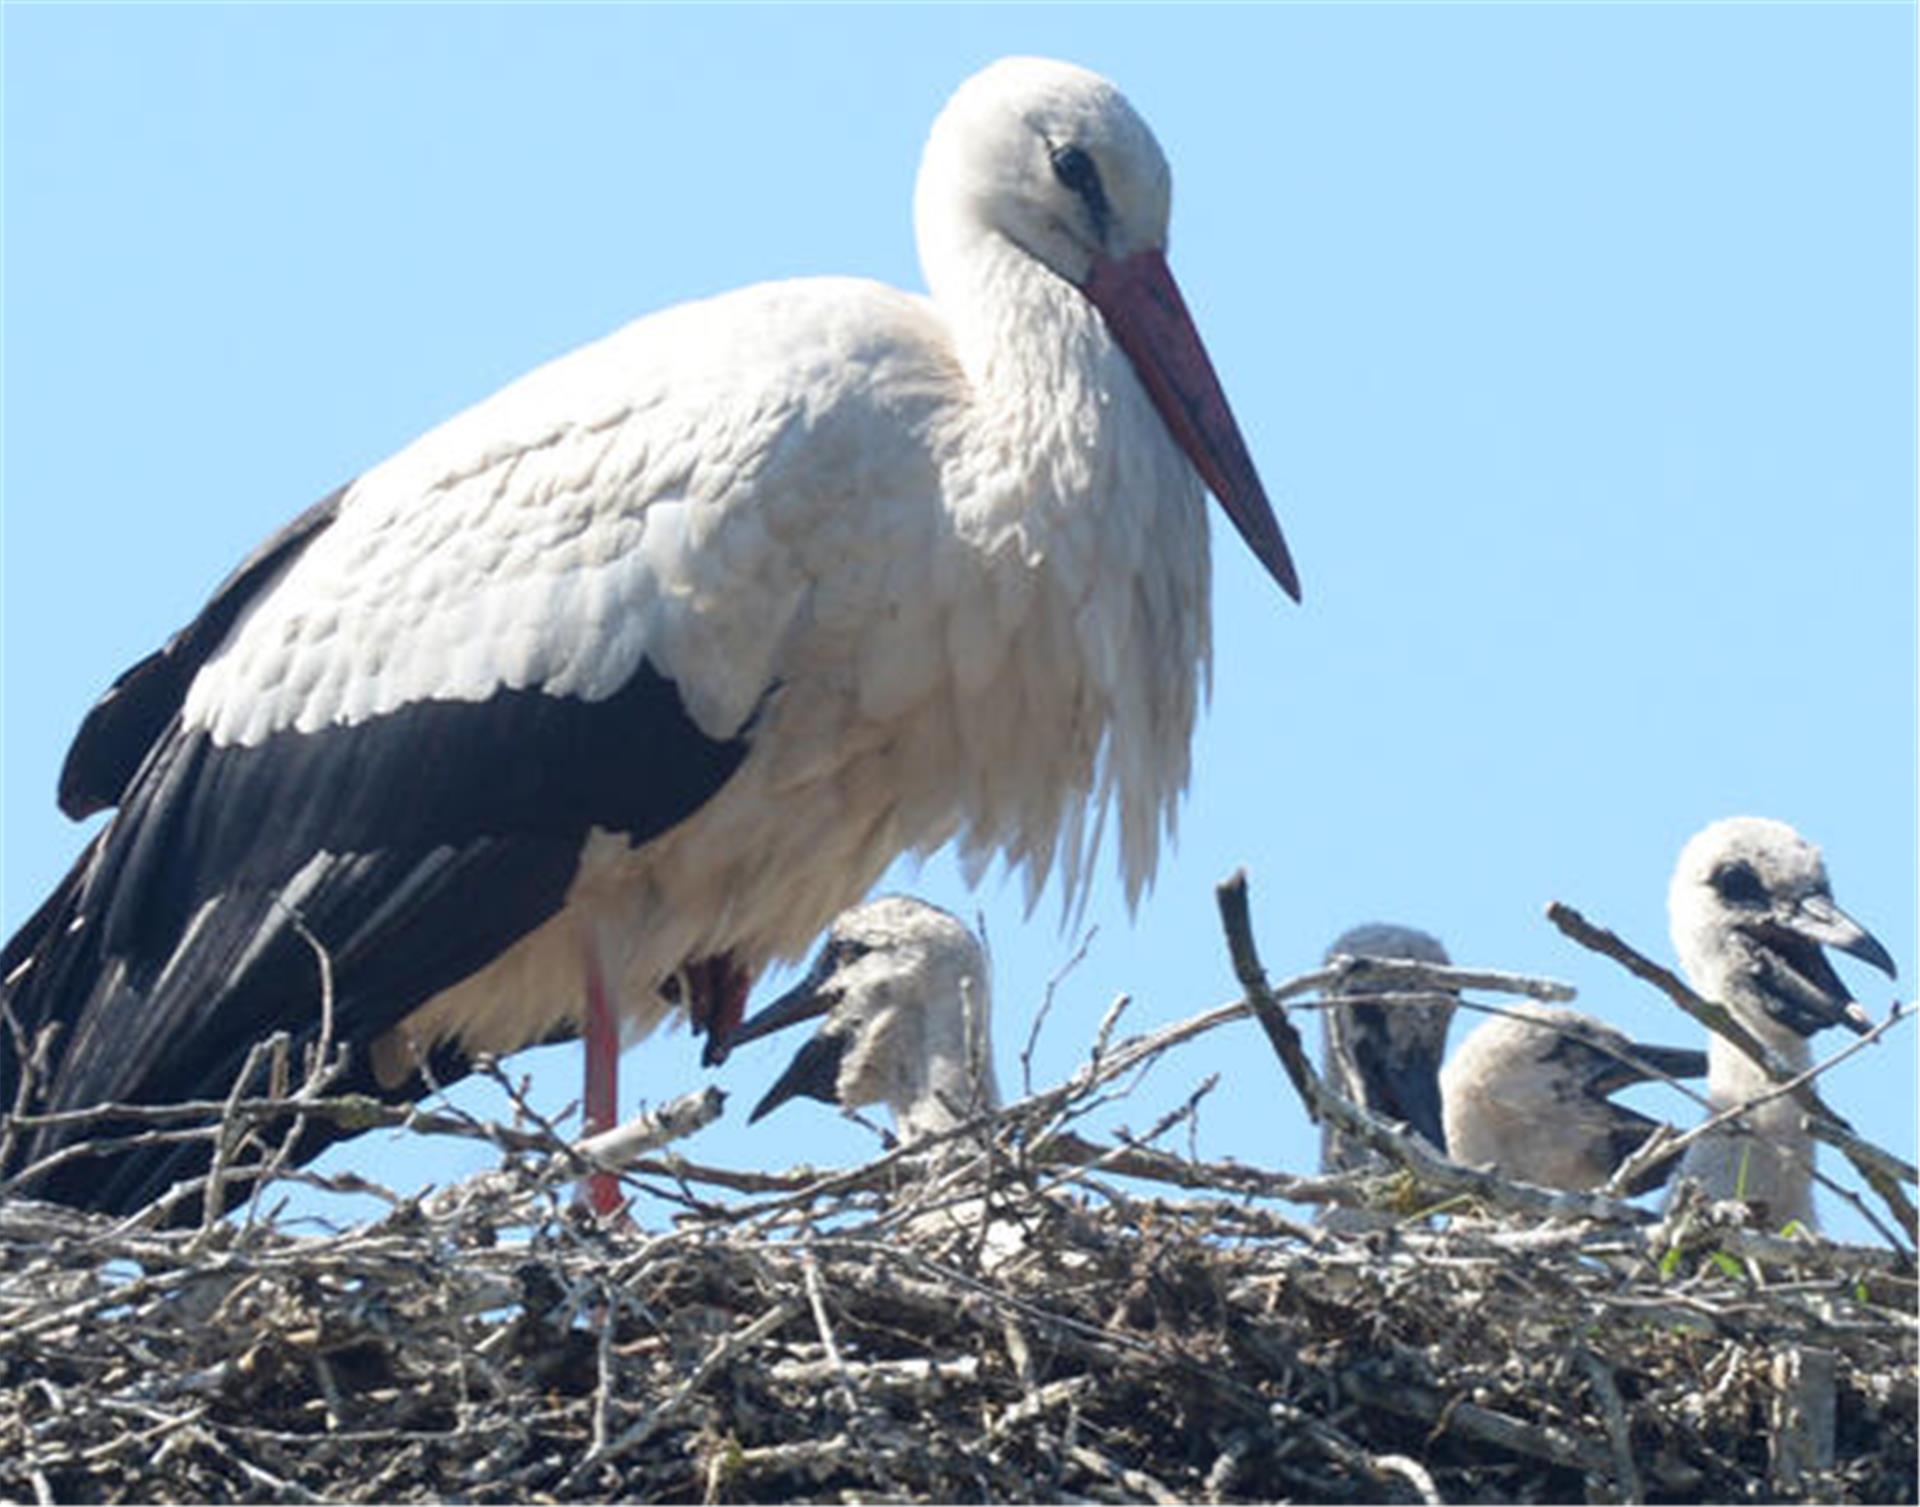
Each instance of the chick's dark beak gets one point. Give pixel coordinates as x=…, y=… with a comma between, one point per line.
x=1801, y=989
x=814, y=1073
x=809, y=999
x=1819, y=920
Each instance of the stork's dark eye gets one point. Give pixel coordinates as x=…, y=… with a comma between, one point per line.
x=1737, y=884
x=1076, y=172
x=1075, y=169
x=844, y=950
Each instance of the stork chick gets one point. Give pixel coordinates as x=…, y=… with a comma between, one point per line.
x=1385, y=1058
x=1527, y=1093
x=1750, y=909
x=905, y=991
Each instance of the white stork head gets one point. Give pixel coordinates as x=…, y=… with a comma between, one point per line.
x=1750, y=909
x=1050, y=156
x=1527, y=1092
x=1050, y=159
x=905, y=992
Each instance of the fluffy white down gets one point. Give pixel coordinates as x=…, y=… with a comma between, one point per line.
x=1509, y=1102
x=1773, y=1166
x=916, y=1010
x=957, y=541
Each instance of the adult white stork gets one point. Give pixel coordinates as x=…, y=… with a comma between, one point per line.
x=1527, y=1093
x=908, y=1006
x=1750, y=909
x=624, y=682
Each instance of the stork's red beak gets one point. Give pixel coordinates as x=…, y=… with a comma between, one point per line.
x=1142, y=306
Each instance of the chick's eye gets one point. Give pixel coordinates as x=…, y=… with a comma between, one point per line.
x=1737, y=884
x=844, y=950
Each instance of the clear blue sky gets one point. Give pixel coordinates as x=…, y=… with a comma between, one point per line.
x=1576, y=344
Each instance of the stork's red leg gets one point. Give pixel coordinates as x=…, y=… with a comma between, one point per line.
x=602, y=1091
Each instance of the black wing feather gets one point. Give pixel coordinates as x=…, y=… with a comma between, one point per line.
x=128, y=720
x=415, y=847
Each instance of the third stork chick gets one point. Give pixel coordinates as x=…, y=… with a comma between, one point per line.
x=1527, y=1093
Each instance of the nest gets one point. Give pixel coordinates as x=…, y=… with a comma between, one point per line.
x=1011, y=1312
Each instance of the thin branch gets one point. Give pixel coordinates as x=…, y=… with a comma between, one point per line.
x=1046, y=1005
x=1719, y=1120
x=635, y=1437
x=1285, y=1040
x=1391, y=1140
x=1874, y=1168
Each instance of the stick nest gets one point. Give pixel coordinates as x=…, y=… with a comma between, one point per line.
x=1013, y=1313
x=978, y=1332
